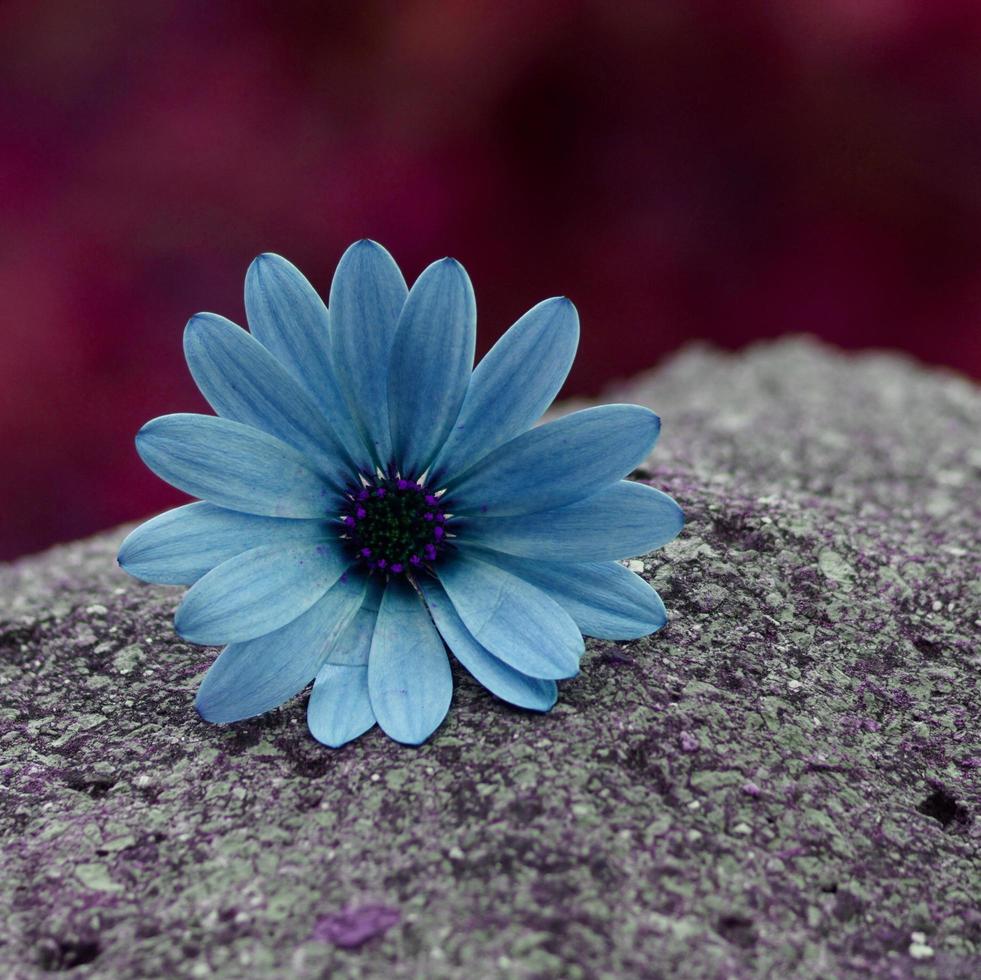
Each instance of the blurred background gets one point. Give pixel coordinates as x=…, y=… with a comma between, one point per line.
x=682, y=170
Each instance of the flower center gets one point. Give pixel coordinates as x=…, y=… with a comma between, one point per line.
x=394, y=525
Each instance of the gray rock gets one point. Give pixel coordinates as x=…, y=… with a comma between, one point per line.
x=783, y=782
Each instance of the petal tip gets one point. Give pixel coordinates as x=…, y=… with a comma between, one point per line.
x=677, y=515
x=413, y=740
x=199, y=319
x=206, y=712
x=365, y=247
x=329, y=741
x=263, y=271
x=187, y=627
x=180, y=623
x=124, y=555
x=196, y=329
x=151, y=426
x=653, y=421
x=266, y=259
x=449, y=267
x=564, y=318
x=547, y=706
x=145, y=432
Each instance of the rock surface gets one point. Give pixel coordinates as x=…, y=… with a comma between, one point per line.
x=783, y=782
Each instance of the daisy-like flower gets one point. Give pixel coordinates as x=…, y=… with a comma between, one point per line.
x=368, y=499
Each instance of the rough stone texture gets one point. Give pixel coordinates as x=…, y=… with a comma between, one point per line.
x=783, y=782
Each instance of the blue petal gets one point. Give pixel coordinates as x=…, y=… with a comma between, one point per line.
x=354, y=645
x=366, y=298
x=621, y=521
x=234, y=466
x=605, y=599
x=340, y=709
x=513, y=385
x=507, y=683
x=557, y=463
x=243, y=382
x=512, y=619
x=290, y=320
x=253, y=677
x=257, y=592
x=431, y=362
x=409, y=678
x=181, y=545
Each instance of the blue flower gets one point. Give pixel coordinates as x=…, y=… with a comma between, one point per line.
x=369, y=499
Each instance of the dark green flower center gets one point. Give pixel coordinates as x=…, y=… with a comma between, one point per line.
x=394, y=525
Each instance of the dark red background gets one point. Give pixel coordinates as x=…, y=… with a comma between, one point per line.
x=714, y=170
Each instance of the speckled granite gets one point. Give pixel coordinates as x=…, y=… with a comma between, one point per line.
x=782, y=783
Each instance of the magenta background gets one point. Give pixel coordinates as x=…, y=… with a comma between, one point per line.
x=716, y=170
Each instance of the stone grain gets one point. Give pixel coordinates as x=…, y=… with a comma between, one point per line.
x=784, y=782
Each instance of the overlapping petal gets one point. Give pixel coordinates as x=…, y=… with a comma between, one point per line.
x=605, y=599
x=431, y=362
x=498, y=677
x=180, y=545
x=291, y=321
x=234, y=466
x=243, y=382
x=366, y=298
x=557, y=463
x=409, y=680
x=513, y=384
x=258, y=591
x=339, y=709
x=512, y=619
x=258, y=675
x=620, y=521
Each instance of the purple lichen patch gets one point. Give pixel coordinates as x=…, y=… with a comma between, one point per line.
x=782, y=782
x=355, y=926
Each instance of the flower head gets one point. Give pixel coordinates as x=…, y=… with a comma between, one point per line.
x=368, y=499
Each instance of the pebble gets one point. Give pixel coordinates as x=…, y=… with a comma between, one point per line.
x=920, y=951
x=127, y=658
